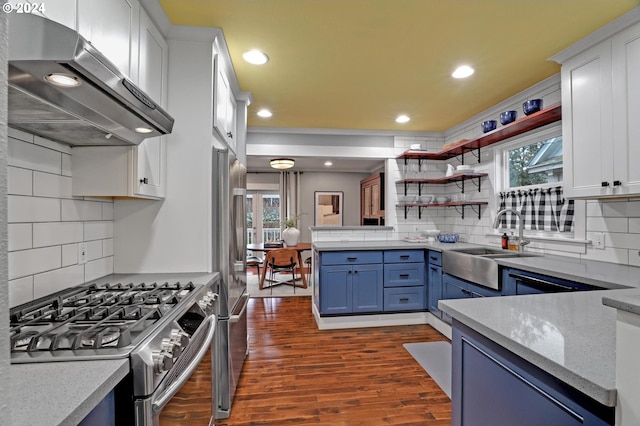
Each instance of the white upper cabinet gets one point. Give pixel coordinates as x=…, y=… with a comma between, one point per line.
x=224, y=105
x=626, y=111
x=139, y=171
x=112, y=27
x=600, y=110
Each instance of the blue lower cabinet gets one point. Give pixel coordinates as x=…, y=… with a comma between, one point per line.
x=347, y=289
x=493, y=386
x=398, y=299
x=367, y=288
x=336, y=296
x=434, y=273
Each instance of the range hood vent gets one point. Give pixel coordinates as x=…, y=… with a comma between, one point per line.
x=104, y=109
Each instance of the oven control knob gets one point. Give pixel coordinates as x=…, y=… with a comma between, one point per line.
x=168, y=345
x=162, y=361
x=179, y=337
x=212, y=296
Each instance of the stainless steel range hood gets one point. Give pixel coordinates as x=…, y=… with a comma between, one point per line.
x=104, y=109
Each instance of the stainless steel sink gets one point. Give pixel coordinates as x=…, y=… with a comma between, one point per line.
x=477, y=265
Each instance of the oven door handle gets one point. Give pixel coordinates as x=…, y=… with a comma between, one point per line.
x=157, y=403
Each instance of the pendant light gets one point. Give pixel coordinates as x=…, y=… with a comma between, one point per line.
x=282, y=163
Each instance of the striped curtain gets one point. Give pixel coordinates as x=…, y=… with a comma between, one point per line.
x=543, y=209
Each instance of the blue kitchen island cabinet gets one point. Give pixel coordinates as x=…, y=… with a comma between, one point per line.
x=351, y=282
x=493, y=386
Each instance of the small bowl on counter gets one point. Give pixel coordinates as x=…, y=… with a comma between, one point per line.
x=448, y=238
x=488, y=125
x=508, y=117
x=531, y=106
x=431, y=234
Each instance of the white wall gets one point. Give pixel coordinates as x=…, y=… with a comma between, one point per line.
x=46, y=223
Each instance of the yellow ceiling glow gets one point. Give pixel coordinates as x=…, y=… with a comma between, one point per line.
x=353, y=64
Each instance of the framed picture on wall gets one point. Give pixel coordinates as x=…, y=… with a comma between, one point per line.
x=328, y=208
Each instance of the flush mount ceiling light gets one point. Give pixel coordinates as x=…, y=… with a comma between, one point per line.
x=402, y=119
x=282, y=163
x=255, y=57
x=463, y=71
x=63, y=80
x=264, y=113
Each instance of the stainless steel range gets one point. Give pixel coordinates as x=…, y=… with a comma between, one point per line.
x=165, y=328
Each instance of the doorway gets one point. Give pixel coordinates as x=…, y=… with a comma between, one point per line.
x=263, y=217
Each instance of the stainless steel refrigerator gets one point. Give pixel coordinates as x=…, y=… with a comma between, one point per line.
x=230, y=235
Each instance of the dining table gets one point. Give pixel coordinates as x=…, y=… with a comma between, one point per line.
x=299, y=248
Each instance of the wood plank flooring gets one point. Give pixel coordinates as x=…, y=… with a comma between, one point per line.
x=296, y=374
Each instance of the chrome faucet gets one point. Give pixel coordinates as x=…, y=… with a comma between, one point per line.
x=521, y=241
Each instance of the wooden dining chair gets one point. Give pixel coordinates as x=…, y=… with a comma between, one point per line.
x=281, y=260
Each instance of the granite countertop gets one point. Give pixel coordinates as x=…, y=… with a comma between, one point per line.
x=63, y=393
x=569, y=335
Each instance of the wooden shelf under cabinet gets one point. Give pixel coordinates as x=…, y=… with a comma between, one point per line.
x=518, y=127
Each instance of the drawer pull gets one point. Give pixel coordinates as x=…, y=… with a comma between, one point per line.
x=404, y=299
x=351, y=259
x=404, y=256
x=404, y=276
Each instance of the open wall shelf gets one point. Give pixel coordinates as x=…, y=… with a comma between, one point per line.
x=458, y=205
x=523, y=125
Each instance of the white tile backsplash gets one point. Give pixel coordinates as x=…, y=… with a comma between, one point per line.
x=19, y=181
x=50, y=185
x=57, y=233
x=33, y=261
x=46, y=223
x=20, y=236
x=33, y=209
x=81, y=210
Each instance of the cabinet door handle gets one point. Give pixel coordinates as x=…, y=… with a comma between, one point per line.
x=230, y=135
x=144, y=180
x=604, y=184
x=617, y=183
x=433, y=268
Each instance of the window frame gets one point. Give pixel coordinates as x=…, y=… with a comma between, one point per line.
x=501, y=163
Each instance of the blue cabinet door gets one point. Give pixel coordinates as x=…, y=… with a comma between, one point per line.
x=493, y=386
x=435, y=289
x=367, y=288
x=336, y=296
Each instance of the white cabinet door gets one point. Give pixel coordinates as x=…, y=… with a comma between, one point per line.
x=111, y=25
x=626, y=111
x=150, y=156
x=587, y=123
x=224, y=103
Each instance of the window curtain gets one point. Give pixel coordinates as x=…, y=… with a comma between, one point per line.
x=289, y=194
x=543, y=209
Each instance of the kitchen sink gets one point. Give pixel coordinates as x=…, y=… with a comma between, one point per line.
x=478, y=265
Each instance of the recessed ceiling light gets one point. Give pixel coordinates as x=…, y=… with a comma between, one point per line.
x=402, y=119
x=264, y=113
x=328, y=163
x=255, y=57
x=463, y=71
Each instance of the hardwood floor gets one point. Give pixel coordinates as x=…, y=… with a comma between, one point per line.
x=296, y=374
